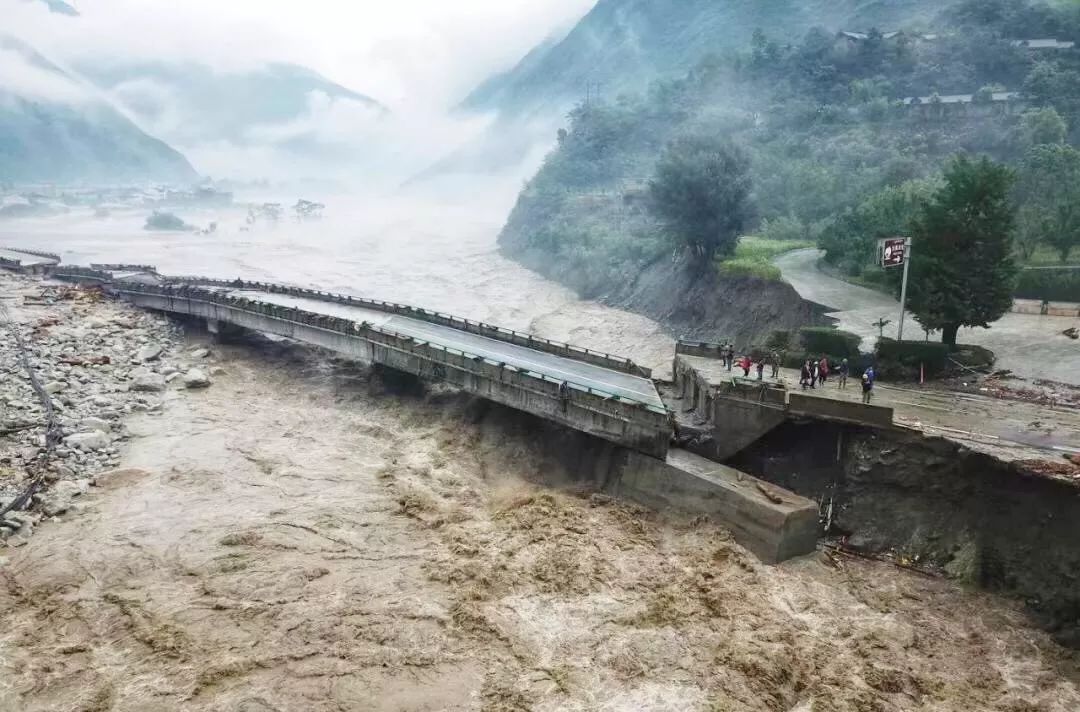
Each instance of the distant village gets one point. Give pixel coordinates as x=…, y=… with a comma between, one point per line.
x=38, y=201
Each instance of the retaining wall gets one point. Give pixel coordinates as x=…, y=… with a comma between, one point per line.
x=859, y=413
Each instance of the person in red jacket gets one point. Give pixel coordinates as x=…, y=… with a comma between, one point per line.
x=823, y=370
x=745, y=363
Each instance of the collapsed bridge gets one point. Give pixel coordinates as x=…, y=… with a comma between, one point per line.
x=602, y=395
x=591, y=393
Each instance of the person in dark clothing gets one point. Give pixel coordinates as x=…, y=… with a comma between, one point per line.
x=774, y=361
x=730, y=356
x=761, y=369
x=804, y=375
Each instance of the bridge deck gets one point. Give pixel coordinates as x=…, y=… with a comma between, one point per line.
x=551, y=365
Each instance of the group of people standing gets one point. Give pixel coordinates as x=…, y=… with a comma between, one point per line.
x=818, y=371
x=745, y=362
x=814, y=372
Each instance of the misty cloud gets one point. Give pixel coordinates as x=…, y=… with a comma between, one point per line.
x=417, y=57
x=22, y=76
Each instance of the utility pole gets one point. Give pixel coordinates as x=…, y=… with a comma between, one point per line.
x=903, y=289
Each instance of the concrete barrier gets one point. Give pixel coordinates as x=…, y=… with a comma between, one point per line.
x=699, y=348
x=775, y=526
x=799, y=404
x=1037, y=307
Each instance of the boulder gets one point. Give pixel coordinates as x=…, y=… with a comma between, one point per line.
x=195, y=378
x=93, y=440
x=55, y=387
x=147, y=382
x=200, y=353
x=91, y=424
x=150, y=352
x=59, y=498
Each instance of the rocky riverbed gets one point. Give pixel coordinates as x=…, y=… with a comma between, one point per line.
x=99, y=361
x=305, y=535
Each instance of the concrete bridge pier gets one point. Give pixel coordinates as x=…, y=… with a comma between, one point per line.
x=223, y=330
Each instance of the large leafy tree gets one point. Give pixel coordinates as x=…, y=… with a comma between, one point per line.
x=1048, y=192
x=702, y=194
x=962, y=271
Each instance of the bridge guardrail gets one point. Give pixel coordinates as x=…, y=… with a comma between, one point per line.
x=72, y=272
x=596, y=358
x=35, y=253
x=124, y=268
x=5, y=262
x=581, y=395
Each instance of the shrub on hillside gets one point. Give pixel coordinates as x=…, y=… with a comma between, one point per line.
x=904, y=360
x=831, y=342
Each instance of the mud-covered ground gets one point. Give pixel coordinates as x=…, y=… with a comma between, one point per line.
x=295, y=537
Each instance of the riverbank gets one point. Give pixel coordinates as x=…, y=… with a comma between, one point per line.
x=693, y=304
x=305, y=534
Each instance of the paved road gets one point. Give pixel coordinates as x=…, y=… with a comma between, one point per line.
x=1030, y=346
x=556, y=367
x=26, y=259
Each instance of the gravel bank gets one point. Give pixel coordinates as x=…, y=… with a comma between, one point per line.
x=99, y=361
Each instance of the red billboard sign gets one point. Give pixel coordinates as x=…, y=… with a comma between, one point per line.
x=893, y=252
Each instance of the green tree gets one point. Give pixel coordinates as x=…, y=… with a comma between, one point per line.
x=1048, y=192
x=1043, y=126
x=701, y=193
x=962, y=271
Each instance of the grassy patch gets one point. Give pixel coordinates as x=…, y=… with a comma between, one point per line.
x=754, y=255
x=749, y=268
x=758, y=249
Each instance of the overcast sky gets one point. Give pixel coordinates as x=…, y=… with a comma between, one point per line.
x=418, y=53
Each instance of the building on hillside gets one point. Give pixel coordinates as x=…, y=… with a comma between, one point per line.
x=946, y=105
x=1043, y=44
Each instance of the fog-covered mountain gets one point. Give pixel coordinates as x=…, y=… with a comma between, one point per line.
x=190, y=103
x=621, y=45
x=56, y=128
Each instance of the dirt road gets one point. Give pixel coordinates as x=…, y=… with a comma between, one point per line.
x=294, y=538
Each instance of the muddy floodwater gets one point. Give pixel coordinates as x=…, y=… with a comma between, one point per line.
x=296, y=537
x=439, y=254
x=301, y=536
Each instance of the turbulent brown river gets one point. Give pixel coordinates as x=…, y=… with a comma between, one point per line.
x=300, y=537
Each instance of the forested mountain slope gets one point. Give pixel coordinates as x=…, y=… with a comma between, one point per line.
x=843, y=132
x=621, y=45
